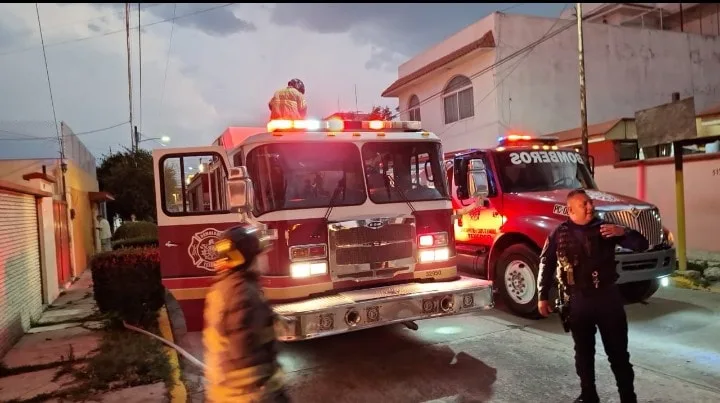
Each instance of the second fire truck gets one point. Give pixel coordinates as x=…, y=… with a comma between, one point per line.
x=359, y=212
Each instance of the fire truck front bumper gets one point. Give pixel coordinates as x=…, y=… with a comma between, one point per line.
x=362, y=309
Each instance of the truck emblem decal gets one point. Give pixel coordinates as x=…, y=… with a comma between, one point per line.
x=374, y=224
x=202, y=248
x=635, y=212
x=602, y=196
x=545, y=157
x=560, y=209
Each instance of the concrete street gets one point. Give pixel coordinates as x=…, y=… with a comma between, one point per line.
x=497, y=357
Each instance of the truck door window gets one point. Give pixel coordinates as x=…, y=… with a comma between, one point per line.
x=193, y=185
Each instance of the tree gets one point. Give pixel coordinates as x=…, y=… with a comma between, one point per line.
x=128, y=176
x=381, y=113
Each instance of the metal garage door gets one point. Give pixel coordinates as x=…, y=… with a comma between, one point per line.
x=20, y=277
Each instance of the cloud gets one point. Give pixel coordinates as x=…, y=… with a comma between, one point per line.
x=401, y=30
x=216, y=19
x=222, y=69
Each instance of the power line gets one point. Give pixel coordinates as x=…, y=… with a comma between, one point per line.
x=129, y=67
x=47, y=74
x=119, y=30
x=504, y=60
x=512, y=69
x=140, y=70
x=167, y=58
x=27, y=137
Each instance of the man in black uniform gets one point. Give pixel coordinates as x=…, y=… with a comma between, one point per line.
x=239, y=338
x=580, y=255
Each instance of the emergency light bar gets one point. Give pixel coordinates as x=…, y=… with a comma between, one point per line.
x=337, y=125
x=519, y=140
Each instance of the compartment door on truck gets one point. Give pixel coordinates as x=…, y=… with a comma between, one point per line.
x=192, y=211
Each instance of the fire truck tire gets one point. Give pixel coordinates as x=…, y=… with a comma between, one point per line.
x=516, y=278
x=639, y=291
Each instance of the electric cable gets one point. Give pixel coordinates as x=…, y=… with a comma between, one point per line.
x=512, y=69
x=118, y=30
x=503, y=61
x=167, y=59
x=47, y=74
x=139, y=70
x=30, y=137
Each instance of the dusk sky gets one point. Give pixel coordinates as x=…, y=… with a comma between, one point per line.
x=225, y=62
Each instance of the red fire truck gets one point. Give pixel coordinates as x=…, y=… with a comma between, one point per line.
x=360, y=215
x=527, y=180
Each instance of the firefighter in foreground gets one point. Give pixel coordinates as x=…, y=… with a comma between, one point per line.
x=239, y=339
x=289, y=103
x=580, y=254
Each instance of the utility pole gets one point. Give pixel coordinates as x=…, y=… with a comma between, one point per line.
x=581, y=68
x=136, y=135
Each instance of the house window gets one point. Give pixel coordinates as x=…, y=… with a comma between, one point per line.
x=627, y=150
x=414, y=108
x=458, y=100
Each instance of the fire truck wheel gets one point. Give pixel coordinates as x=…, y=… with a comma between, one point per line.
x=516, y=278
x=639, y=291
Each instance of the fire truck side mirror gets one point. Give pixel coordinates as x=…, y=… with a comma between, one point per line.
x=460, y=178
x=240, y=190
x=477, y=183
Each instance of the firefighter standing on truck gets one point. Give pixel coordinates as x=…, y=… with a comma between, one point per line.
x=239, y=337
x=289, y=103
x=580, y=254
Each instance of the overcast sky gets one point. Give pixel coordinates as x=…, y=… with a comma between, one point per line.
x=225, y=61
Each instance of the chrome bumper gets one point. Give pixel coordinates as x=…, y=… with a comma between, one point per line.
x=361, y=309
x=641, y=266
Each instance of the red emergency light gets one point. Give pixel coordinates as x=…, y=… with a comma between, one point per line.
x=338, y=125
x=524, y=140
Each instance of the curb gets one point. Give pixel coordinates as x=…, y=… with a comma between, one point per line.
x=178, y=392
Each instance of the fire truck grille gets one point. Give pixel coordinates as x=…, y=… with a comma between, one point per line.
x=363, y=235
x=372, y=253
x=645, y=221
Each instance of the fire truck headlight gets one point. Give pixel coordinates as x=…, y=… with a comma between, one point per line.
x=307, y=269
x=434, y=255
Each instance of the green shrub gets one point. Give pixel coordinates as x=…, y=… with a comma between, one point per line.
x=136, y=229
x=139, y=242
x=128, y=283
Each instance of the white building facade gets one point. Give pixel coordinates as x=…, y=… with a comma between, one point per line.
x=466, y=90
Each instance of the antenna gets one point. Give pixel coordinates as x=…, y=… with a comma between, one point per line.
x=357, y=111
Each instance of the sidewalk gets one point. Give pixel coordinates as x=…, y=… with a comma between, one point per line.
x=44, y=364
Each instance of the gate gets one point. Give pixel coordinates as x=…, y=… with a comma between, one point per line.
x=62, y=243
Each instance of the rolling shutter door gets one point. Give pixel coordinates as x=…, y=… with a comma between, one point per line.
x=20, y=275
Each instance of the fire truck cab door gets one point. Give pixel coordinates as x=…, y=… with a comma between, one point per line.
x=192, y=208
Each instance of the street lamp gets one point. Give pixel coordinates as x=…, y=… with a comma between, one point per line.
x=138, y=139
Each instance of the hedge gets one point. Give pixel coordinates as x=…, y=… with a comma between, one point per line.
x=139, y=242
x=136, y=229
x=128, y=283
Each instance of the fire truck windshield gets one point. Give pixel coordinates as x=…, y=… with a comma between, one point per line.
x=538, y=171
x=303, y=175
x=404, y=171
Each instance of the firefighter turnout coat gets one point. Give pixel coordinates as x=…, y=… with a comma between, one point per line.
x=288, y=103
x=239, y=341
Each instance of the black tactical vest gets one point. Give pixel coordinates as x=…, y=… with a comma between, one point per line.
x=585, y=259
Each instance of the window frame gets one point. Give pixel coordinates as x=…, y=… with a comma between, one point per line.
x=414, y=109
x=442, y=177
x=183, y=185
x=453, y=90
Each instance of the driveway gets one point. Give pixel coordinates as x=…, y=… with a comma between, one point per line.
x=497, y=357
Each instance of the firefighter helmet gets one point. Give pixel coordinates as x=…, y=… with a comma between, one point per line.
x=238, y=247
x=297, y=84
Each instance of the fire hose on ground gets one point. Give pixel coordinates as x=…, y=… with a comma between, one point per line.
x=172, y=345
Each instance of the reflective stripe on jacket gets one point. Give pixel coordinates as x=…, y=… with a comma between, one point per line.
x=288, y=103
x=239, y=341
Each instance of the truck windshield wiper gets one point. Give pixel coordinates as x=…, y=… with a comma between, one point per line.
x=402, y=195
x=341, y=186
